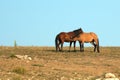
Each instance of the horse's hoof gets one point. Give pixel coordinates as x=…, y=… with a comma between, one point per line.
x=75, y=51
x=98, y=51
x=69, y=50
x=81, y=51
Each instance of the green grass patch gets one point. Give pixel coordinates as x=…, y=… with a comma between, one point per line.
x=12, y=56
x=19, y=70
x=39, y=65
x=16, y=78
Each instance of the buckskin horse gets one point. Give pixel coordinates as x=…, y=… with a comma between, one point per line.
x=66, y=37
x=90, y=37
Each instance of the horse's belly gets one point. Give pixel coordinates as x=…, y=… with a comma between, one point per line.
x=87, y=41
x=68, y=40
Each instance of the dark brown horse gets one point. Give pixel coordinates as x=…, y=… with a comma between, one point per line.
x=66, y=37
x=90, y=37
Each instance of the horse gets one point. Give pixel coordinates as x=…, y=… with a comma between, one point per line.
x=90, y=37
x=66, y=37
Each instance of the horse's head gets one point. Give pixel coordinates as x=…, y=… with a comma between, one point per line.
x=80, y=30
x=77, y=32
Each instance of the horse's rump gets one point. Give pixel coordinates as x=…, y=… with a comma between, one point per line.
x=66, y=37
x=94, y=35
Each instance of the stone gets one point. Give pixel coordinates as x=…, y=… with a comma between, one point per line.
x=110, y=79
x=109, y=75
x=99, y=79
x=23, y=57
x=19, y=56
x=29, y=58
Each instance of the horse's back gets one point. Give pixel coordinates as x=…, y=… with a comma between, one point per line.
x=90, y=34
x=62, y=34
x=88, y=37
x=64, y=37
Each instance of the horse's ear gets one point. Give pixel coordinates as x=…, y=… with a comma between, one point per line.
x=80, y=28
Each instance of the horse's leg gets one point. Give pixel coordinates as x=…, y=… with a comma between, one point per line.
x=94, y=46
x=62, y=46
x=80, y=46
x=74, y=45
x=97, y=45
x=98, y=49
x=70, y=46
x=83, y=46
x=58, y=46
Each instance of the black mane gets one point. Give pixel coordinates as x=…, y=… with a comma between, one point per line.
x=77, y=32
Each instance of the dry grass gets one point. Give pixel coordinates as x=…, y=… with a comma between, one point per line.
x=50, y=65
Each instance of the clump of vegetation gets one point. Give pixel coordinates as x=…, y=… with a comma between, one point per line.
x=16, y=78
x=12, y=56
x=15, y=43
x=39, y=65
x=19, y=70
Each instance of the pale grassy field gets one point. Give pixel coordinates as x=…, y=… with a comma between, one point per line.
x=46, y=64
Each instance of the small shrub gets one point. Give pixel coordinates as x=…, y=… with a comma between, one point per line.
x=16, y=78
x=15, y=43
x=19, y=70
x=12, y=56
x=39, y=65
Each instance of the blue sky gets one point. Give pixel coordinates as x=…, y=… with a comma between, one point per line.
x=37, y=22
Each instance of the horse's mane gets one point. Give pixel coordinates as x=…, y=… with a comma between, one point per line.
x=77, y=32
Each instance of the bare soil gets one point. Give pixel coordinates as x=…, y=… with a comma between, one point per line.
x=47, y=64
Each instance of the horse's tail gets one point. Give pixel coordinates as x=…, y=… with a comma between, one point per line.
x=56, y=43
x=98, y=46
x=96, y=40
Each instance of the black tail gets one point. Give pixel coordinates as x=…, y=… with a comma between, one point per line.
x=98, y=46
x=56, y=43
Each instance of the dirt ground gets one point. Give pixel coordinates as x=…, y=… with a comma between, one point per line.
x=47, y=64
